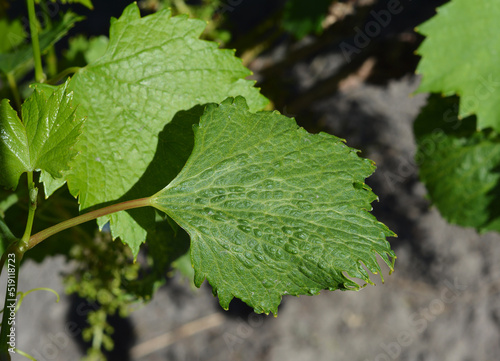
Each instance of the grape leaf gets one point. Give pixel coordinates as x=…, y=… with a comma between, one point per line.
x=10, y=62
x=302, y=18
x=43, y=141
x=274, y=210
x=154, y=67
x=462, y=60
x=459, y=165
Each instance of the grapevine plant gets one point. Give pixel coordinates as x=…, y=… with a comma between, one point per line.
x=161, y=137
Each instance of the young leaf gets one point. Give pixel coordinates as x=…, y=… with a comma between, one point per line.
x=44, y=140
x=153, y=68
x=459, y=165
x=463, y=60
x=274, y=210
x=10, y=62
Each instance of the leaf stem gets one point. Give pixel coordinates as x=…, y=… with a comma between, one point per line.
x=33, y=195
x=39, y=75
x=40, y=236
x=51, y=61
x=51, y=57
x=22, y=353
x=63, y=74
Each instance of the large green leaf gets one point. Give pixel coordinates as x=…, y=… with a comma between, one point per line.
x=459, y=165
x=16, y=59
x=154, y=67
x=44, y=140
x=460, y=56
x=274, y=210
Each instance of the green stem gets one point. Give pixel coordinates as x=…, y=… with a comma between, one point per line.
x=40, y=236
x=51, y=57
x=63, y=74
x=51, y=61
x=22, y=353
x=33, y=194
x=15, y=91
x=39, y=75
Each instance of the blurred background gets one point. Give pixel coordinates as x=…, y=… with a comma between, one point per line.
x=342, y=67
